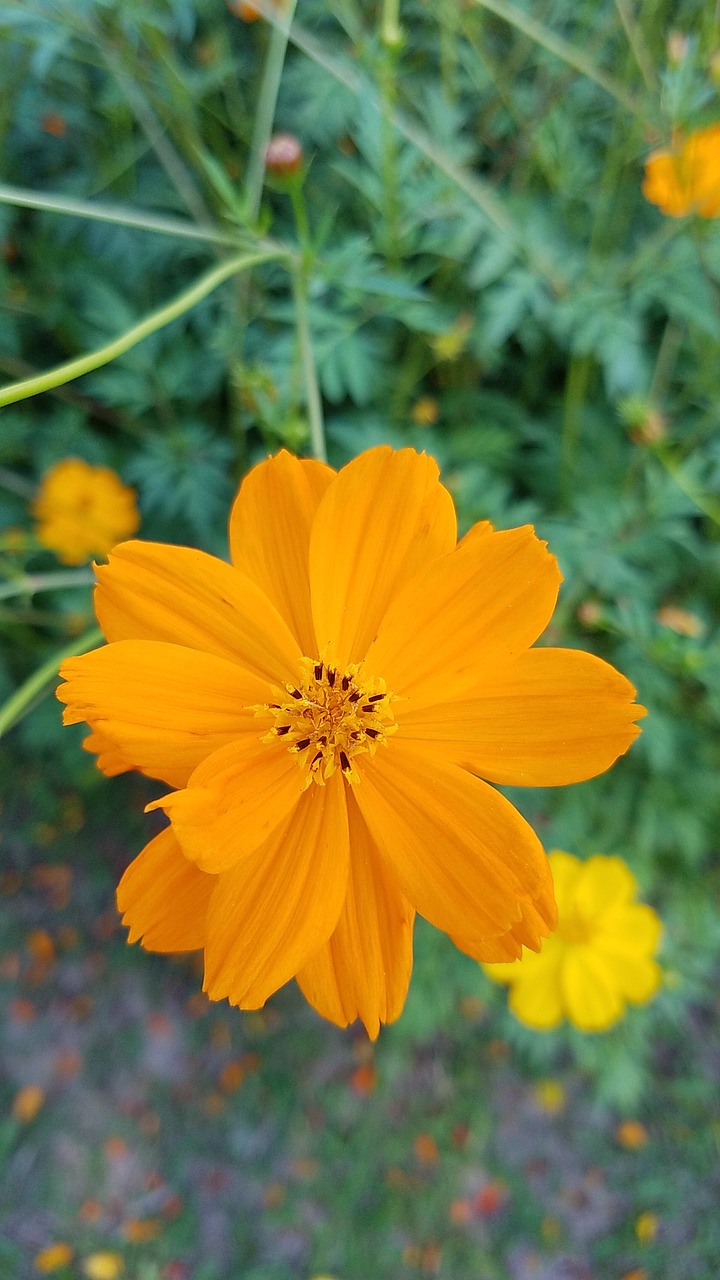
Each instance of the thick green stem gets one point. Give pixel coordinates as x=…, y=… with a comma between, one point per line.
x=38, y=684
x=157, y=320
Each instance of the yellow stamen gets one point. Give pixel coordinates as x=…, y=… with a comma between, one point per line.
x=329, y=717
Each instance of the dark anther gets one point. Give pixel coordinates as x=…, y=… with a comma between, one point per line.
x=345, y=683
x=302, y=744
x=283, y=728
x=354, y=696
x=318, y=670
x=316, y=758
x=373, y=733
x=331, y=677
x=322, y=741
x=295, y=693
x=344, y=762
x=274, y=706
x=367, y=707
x=376, y=697
x=357, y=734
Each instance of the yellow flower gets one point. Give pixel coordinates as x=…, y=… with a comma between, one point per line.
x=27, y=1102
x=686, y=177
x=53, y=1258
x=103, y=1266
x=83, y=511
x=326, y=709
x=646, y=1227
x=601, y=956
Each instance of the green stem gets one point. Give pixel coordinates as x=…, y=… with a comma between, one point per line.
x=99, y=212
x=390, y=32
x=265, y=111
x=636, y=40
x=703, y=502
x=561, y=49
x=312, y=391
x=576, y=384
x=30, y=583
x=157, y=320
x=21, y=701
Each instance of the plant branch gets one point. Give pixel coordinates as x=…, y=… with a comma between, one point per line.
x=156, y=320
x=38, y=684
x=100, y=212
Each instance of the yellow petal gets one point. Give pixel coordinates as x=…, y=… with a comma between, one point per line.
x=603, y=883
x=537, y=1001
x=635, y=978
x=551, y=717
x=270, y=912
x=270, y=535
x=363, y=971
x=150, y=591
x=383, y=518
x=465, y=858
x=592, y=1001
x=164, y=899
x=233, y=802
x=162, y=707
x=565, y=868
x=465, y=616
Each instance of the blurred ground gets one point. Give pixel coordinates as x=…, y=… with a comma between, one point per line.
x=195, y=1142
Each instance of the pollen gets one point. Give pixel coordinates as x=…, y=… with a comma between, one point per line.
x=329, y=717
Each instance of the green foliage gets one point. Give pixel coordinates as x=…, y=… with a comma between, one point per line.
x=470, y=230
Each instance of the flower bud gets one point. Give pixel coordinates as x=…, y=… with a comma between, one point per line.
x=283, y=155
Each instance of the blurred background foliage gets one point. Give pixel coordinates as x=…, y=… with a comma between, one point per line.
x=480, y=277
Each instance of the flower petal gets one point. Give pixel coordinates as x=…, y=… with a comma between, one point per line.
x=602, y=884
x=537, y=1001
x=592, y=1001
x=464, y=857
x=164, y=899
x=233, y=802
x=272, y=911
x=464, y=616
x=363, y=971
x=383, y=518
x=551, y=717
x=160, y=707
x=270, y=535
x=149, y=591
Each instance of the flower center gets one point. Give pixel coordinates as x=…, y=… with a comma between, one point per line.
x=574, y=929
x=330, y=717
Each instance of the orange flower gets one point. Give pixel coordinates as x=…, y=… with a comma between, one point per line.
x=83, y=511
x=326, y=709
x=27, y=1102
x=686, y=177
x=53, y=1258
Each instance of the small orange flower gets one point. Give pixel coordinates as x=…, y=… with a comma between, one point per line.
x=426, y=1149
x=632, y=1135
x=83, y=511
x=326, y=710
x=53, y=1258
x=685, y=178
x=27, y=1102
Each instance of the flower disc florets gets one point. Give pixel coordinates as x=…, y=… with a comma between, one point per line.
x=329, y=717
